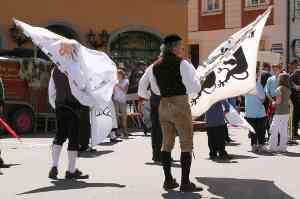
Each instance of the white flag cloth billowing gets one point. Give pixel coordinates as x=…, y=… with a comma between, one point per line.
x=235, y=119
x=92, y=74
x=231, y=68
x=101, y=123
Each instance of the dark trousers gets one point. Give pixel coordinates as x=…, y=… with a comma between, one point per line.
x=156, y=134
x=296, y=120
x=84, y=128
x=68, y=125
x=216, y=140
x=227, y=138
x=259, y=125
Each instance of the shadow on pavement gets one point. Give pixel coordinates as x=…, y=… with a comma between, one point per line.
x=179, y=195
x=62, y=185
x=174, y=165
x=233, y=144
x=265, y=153
x=234, y=158
x=94, y=154
x=291, y=154
x=230, y=188
x=6, y=166
x=108, y=144
x=241, y=157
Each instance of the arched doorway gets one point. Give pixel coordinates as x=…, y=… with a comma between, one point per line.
x=133, y=50
x=134, y=46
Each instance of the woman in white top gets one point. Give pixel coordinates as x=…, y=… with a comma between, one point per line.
x=120, y=100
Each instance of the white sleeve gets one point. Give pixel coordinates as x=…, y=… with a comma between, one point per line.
x=144, y=83
x=189, y=77
x=52, y=91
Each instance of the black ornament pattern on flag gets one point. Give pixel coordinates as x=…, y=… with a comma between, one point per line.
x=241, y=66
x=106, y=112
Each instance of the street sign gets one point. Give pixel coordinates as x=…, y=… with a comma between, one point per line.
x=297, y=47
x=277, y=48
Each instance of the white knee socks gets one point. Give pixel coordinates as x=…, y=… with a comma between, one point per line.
x=56, y=150
x=72, y=155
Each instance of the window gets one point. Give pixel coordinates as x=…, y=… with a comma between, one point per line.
x=212, y=5
x=257, y=3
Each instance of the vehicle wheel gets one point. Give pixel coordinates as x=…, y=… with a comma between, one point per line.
x=23, y=121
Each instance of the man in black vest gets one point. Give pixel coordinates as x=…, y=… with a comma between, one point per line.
x=66, y=108
x=176, y=78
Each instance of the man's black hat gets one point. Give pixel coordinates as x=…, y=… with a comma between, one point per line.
x=172, y=38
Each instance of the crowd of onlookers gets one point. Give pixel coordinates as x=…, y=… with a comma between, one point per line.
x=274, y=112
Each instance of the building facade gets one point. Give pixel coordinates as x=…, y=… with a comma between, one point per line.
x=294, y=30
x=132, y=29
x=213, y=21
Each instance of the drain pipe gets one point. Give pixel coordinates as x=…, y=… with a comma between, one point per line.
x=288, y=31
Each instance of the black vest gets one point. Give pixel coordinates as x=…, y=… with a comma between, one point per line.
x=168, y=77
x=64, y=96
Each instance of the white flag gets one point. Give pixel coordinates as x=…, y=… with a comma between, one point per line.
x=235, y=119
x=92, y=74
x=231, y=67
x=101, y=123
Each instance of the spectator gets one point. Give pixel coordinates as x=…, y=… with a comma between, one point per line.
x=134, y=78
x=279, y=124
x=295, y=98
x=120, y=101
x=216, y=128
x=270, y=90
x=255, y=114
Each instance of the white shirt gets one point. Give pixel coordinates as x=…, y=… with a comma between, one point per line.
x=120, y=95
x=190, y=80
x=146, y=80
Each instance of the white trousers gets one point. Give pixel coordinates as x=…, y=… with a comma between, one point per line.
x=279, y=127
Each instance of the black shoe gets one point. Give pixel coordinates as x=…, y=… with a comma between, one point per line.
x=156, y=159
x=115, y=140
x=296, y=137
x=76, y=175
x=213, y=157
x=170, y=184
x=53, y=173
x=82, y=148
x=190, y=187
x=1, y=173
x=1, y=162
x=225, y=157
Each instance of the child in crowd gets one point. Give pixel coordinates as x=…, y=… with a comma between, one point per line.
x=255, y=114
x=120, y=101
x=279, y=126
x=216, y=130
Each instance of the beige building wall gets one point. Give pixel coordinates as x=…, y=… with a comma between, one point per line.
x=163, y=16
x=233, y=13
x=193, y=14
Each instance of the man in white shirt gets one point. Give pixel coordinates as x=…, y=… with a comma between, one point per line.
x=154, y=95
x=173, y=78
